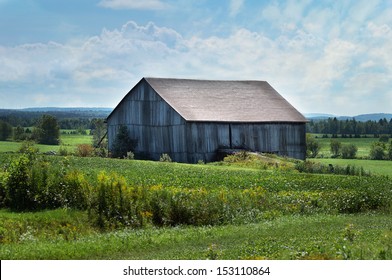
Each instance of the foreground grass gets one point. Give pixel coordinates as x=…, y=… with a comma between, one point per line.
x=366, y=236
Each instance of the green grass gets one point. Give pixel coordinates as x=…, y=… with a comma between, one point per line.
x=380, y=167
x=302, y=216
x=68, y=141
x=363, y=145
x=291, y=237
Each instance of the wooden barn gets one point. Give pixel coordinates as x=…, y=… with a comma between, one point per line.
x=190, y=120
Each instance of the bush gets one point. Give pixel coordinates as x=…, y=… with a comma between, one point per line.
x=47, y=131
x=165, y=158
x=312, y=146
x=123, y=143
x=336, y=147
x=63, y=151
x=377, y=151
x=77, y=191
x=5, y=130
x=28, y=148
x=115, y=204
x=35, y=184
x=84, y=150
x=349, y=151
x=20, y=194
x=384, y=138
x=3, y=183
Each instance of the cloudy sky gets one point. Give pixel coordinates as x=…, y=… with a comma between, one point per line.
x=323, y=56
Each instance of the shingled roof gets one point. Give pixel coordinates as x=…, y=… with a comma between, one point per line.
x=225, y=101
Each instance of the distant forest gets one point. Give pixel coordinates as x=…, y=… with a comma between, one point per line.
x=350, y=127
x=67, y=118
x=76, y=118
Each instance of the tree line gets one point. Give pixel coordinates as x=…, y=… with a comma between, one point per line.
x=46, y=130
x=350, y=127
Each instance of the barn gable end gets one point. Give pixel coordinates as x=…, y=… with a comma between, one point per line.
x=191, y=119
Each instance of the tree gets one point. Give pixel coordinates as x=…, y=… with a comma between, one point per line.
x=47, y=131
x=390, y=151
x=377, y=151
x=312, y=146
x=336, y=147
x=123, y=143
x=5, y=130
x=98, y=131
x=19, y=133
x=349, y=151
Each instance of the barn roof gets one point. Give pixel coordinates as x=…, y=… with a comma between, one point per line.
x=225, y=101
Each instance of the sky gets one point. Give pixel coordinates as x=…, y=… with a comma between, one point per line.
x=323, y=56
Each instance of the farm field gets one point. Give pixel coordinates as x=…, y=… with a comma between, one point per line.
x=68, y=141
x=363, y=145
x=380, y=167
x=365, y=236
x=184, y=211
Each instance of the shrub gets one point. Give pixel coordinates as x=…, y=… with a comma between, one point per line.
x=77, y=191
x=115, y=204
x=3, y=183
x=336, y=147
x=20, y=194
x=5, y=130
x=35, y=184
x=63, y=151
x=349, y=151
x=123, y=143
x=28, y=148
x=130, y=155
x=312, y=146
x=377, y=151
x=165, y=158
x=47, y=131
x=384, y=138
x=84, y=150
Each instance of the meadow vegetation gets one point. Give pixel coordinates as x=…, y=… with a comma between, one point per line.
x=248, y=206
x=69, y=201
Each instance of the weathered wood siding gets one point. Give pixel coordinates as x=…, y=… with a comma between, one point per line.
x=285, y=139
x=155, y=126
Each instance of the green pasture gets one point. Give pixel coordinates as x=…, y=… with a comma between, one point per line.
x=363, y=145
x=245, y=210
x=68, y=141
x=380, y=167
x=65, y=234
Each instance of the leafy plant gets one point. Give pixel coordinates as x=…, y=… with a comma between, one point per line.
x=165, y=158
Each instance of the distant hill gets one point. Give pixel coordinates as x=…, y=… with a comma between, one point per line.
x=59, y=112
x=361, y=118
x=66, y=109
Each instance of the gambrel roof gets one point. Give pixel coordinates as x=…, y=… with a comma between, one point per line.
x=225, y=101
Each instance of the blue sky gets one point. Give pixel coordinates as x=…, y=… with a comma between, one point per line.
x=323, y=56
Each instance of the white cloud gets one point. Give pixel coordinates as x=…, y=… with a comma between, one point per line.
x=133, y=4
x=235, y=6
x=313, y=73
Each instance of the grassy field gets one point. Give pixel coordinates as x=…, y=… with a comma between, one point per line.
x=67, y=141
x=64, y=234
x=262, y=214
x=380, y=167
x=253, y=209
x=363, y=145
